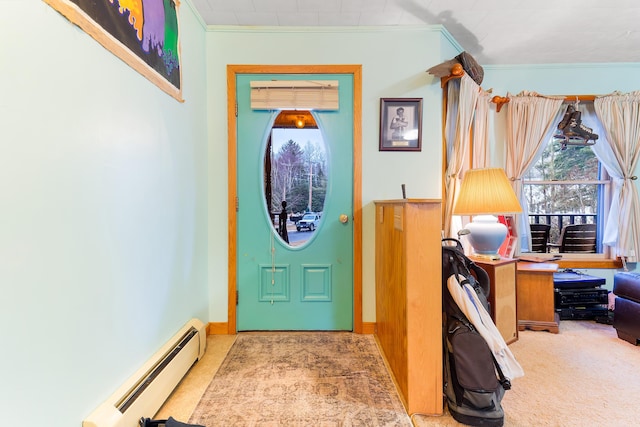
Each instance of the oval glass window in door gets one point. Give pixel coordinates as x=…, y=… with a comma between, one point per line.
x=295, y=178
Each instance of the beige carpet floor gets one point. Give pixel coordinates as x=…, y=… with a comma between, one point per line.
x=583, y=376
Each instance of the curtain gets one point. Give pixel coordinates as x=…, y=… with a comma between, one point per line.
x=480, y=158
x=531, y=120
x=460, y=112
x=620, y=117
x=605, y=156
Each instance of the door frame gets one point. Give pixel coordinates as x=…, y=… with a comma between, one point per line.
x=232, y=196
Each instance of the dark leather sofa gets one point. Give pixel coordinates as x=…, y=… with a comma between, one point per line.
x=626, y=317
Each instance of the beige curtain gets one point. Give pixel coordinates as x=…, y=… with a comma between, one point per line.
x=461, y=105
x=531, y=120
x=480, y=157
x=620, y=116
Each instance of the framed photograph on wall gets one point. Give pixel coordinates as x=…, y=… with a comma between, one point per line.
x=400, y=124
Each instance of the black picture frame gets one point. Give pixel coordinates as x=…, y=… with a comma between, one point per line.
x=400, y=138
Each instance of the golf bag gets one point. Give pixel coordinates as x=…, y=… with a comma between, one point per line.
x=473, y=381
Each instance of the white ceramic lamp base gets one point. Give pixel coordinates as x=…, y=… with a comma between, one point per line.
x=486, y=235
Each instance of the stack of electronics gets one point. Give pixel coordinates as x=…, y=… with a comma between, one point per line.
x=579, y=296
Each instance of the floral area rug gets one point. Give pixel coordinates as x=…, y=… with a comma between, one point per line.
x=301, y=379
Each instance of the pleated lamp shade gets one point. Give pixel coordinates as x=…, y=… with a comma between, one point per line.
x=484, y=193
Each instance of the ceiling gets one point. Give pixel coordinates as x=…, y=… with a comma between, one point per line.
x=492, y=31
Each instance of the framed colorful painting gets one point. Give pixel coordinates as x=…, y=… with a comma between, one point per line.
x=143, y=33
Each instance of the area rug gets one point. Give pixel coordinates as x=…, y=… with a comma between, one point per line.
x=301, y=379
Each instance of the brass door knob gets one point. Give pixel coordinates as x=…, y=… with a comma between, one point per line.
x=344, y=218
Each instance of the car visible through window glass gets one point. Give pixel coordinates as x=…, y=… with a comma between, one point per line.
x=309, y=221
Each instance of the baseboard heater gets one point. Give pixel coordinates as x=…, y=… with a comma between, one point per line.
x=143, y=394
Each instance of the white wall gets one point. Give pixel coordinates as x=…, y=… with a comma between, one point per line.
x=394, y=63
x=103, y=205
x=563, y=79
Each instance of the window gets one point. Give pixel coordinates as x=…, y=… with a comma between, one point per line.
x=295, y=176
x=567, y=185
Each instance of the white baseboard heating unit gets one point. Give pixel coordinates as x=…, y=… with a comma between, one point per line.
x=143, y=394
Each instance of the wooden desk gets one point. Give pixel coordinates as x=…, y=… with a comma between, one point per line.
x=534, y=297
x=502, y=297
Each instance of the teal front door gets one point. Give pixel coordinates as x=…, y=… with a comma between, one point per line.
x=281, y=286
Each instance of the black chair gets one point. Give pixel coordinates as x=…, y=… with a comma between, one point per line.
x=540, y=237
x=578, y=238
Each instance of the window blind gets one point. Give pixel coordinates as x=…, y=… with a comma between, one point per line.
x=294, y=94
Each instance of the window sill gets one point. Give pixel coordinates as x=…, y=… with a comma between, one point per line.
x=589, y=263
x=578, y=261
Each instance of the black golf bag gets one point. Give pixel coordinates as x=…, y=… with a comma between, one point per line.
x=473, y=382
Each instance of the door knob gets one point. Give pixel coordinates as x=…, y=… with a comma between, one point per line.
x=344, y=218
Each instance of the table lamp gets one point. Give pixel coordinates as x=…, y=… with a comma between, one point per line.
x=484, y=194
